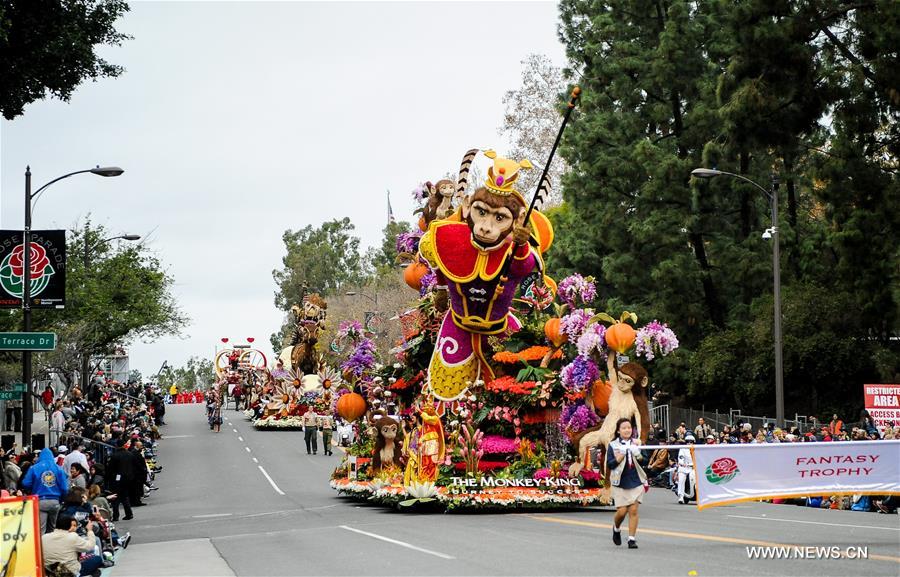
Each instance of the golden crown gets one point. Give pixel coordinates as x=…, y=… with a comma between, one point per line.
x=504, y=173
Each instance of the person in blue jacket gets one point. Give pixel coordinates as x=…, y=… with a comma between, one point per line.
x=49, y=482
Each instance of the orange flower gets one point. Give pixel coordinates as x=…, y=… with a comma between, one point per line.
x=528, y=355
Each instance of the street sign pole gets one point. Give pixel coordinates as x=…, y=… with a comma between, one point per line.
x=27, y=414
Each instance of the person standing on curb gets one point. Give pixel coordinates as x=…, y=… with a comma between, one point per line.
x=311, y=431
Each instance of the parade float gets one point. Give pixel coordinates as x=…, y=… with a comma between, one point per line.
x=301, y=381
x=504, y=384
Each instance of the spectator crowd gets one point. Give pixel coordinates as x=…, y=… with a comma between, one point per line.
x=664, y=464
x=101, y=459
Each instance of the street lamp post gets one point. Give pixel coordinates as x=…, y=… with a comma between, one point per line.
x=362, y=294
x=776, y=266
x=86, y=355
x=27, y=414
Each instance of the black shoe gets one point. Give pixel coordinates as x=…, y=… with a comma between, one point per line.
x=617, y=537
x=124, y=541
x=114, y=519
x=128, y=517
x=632, y=544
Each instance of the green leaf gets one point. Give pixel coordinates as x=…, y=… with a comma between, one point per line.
x=601, y=317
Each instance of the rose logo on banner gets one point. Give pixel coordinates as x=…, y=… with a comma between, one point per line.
x=12, y=270
x=722, y=470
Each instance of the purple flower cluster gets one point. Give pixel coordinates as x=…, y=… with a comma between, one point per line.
x=350, y=329
x=362, y=359
x=408, y=242
x=429, y=280
x=593, y=340
x=420, y=192
x=309, y=398
x=655, y=338
x=579, y=374
x=577, y=417
x=575, y=287
x=574, y=323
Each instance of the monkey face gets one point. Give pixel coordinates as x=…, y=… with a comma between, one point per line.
x=625, y=382
x=389, y=431
x=489, y=224
x=446, y=188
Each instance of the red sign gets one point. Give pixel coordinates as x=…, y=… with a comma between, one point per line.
x=883, y=403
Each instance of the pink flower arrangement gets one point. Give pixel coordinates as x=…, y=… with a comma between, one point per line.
x=499, y=445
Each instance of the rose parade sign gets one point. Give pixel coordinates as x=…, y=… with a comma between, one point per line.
x=732, y=473
x=47, y=266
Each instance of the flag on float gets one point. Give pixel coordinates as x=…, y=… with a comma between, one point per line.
x=391, y=218
x=747, y=472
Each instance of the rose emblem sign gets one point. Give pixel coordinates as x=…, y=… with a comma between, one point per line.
x=722, y=470
x=12, y=270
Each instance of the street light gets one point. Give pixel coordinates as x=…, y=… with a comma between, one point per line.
x=85, y=355
x=362, y=294
x=772, y=233
x=27, y=414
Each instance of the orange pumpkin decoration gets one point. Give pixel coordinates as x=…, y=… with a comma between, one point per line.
x=600, y=396
x=413, y=275
x=351, y=406
x=553, y=334
x=620, y=337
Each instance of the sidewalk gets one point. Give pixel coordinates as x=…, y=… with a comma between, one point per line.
x=38, y=426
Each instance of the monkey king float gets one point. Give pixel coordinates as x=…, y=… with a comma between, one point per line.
x=497, y=384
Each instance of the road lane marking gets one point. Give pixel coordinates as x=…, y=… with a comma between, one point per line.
x=235, y=430
x=271, y=482
x=255, y=460
x=685, y=535
x=177, y=436
x=212, y=515
x=816, y=523
x=247, y=449
x=395, y=542
x=241, y=439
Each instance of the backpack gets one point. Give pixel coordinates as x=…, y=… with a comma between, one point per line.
x=861, y=505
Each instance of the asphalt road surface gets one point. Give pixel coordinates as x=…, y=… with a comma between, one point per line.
x=247, y=502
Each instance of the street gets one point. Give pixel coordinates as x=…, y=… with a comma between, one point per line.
x=246, y=502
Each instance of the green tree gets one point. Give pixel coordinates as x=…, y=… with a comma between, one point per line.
x=48, y=46
x=382, y=259
x=197, y=374
x=126, y=295
x=804, y=89
x=322, y=259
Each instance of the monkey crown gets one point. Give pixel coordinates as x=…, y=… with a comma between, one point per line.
x=503, y=174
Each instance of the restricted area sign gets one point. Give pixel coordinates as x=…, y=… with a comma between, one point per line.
x=27, y=341
x=883, y=403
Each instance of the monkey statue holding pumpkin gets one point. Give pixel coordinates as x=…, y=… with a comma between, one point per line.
x=627, y=400
x=469, y=253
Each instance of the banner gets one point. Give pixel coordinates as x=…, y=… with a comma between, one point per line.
x=20, y=537
x=732, y=473
x=883, y=403
x=48, y=269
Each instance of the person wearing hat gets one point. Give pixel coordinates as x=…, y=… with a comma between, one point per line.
x=686, y=481
x=710, y=440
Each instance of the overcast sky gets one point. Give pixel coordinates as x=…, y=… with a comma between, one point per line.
x=237, y=120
